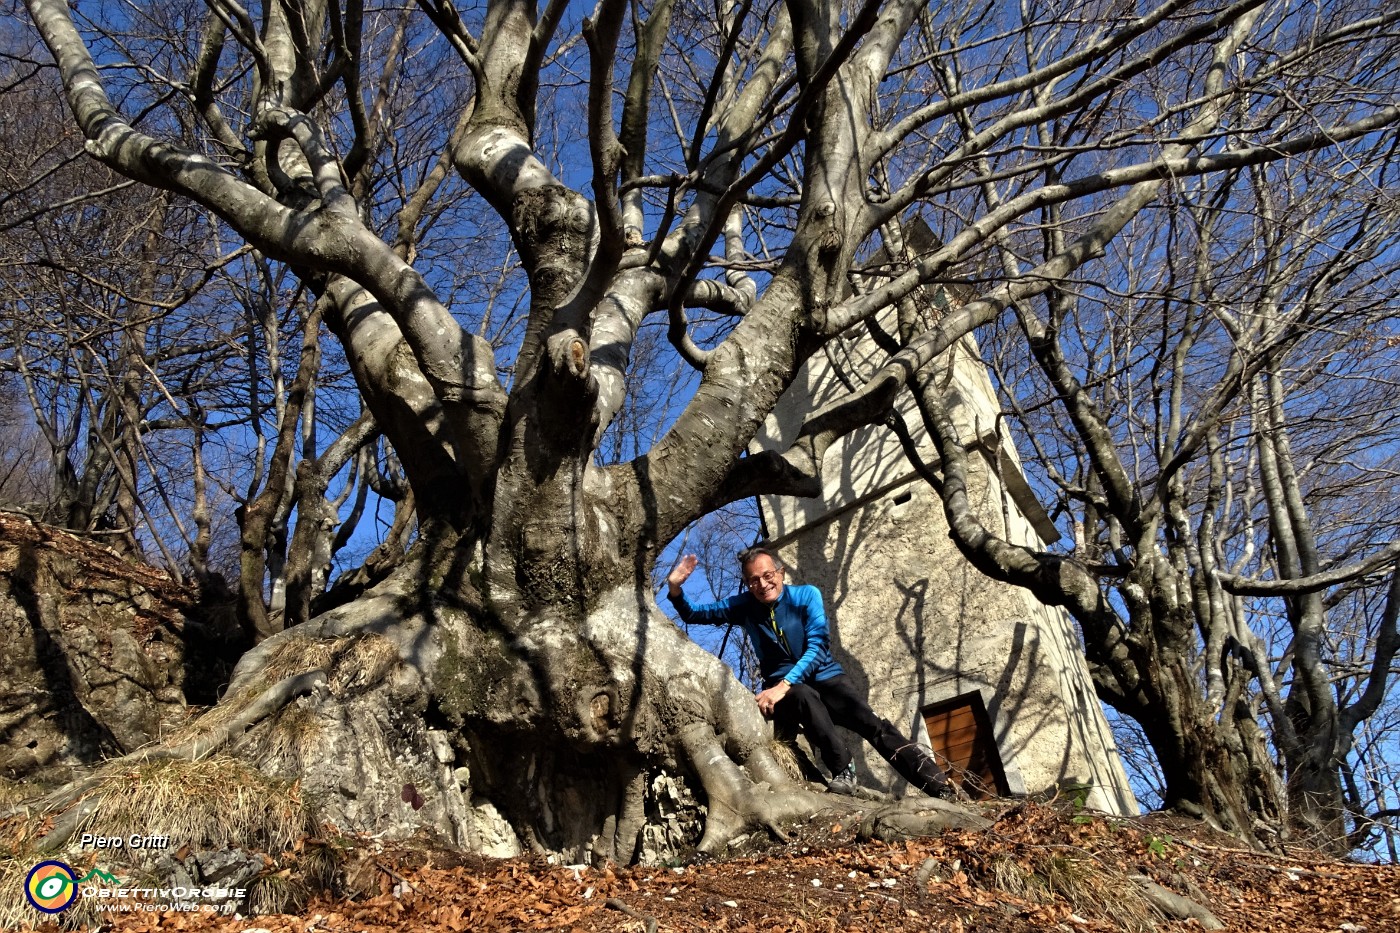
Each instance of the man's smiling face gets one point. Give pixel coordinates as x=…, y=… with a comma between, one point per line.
x=764, y=579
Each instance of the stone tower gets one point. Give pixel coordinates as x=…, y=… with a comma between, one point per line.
x=988, y=676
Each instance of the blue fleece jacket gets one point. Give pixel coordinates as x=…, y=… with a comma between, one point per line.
x=791, y=636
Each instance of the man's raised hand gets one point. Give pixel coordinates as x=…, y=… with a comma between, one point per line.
x=680, y=573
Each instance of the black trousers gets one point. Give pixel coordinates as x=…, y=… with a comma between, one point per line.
x=818, y=708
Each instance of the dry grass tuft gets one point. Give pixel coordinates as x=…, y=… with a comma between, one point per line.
x=293, y=656
x=208, y=804
x=786, y=757
x=229, y=709
x=299, y=655
x=15, y=912
x=1090, y=888
x=278, y=893
x=290, y=890
x=365, y=661
x=293, y=736
x=1010, y=876
x=212, y=804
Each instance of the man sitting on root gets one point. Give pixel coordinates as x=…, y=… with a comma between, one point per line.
x=803, y=685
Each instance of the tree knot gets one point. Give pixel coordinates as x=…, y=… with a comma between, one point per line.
x=569, y=354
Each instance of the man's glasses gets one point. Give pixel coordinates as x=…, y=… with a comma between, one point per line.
x=759, y=579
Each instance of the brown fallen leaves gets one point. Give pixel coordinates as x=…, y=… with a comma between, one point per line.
x=1037, y=868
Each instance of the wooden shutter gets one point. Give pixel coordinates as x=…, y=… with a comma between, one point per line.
x=961, y=734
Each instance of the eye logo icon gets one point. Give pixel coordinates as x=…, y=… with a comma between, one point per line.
x=51, y=887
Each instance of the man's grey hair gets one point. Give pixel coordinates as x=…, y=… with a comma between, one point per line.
x=750, y=554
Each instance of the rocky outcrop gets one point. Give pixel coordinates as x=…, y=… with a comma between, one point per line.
x=98, y=655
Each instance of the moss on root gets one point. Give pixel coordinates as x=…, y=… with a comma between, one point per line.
x=478, y=676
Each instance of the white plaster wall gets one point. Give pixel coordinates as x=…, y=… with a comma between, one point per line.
x=913, y=622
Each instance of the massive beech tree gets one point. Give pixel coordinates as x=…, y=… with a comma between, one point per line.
x=676, y=162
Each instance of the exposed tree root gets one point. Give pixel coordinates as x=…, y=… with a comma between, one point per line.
x=64, y=827
x=912, y=818
x=737, y=803
x=382, y=612
x=647, y=919
x=622, y=831
x=1176, y=906
x=269, y=702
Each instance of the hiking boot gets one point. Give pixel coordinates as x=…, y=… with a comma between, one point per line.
x=913, y=763
x=843, y=783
